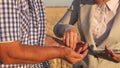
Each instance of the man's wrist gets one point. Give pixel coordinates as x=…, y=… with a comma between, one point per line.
x=62, y=52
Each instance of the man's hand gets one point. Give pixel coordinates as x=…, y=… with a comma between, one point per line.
x=75, y=56
x=82, y=45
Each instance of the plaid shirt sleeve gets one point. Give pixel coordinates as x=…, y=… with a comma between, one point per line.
x=23, y=20
x=9, y=25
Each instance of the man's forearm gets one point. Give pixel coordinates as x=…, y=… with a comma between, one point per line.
x=16, y=53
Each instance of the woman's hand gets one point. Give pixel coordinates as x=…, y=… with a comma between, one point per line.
x=70, y=37
x=101, y=1
x=111, y=54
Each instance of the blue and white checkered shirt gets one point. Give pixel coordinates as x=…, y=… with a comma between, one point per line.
x=23, y=20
